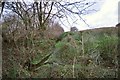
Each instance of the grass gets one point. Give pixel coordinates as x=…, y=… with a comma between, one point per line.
x=95, y=52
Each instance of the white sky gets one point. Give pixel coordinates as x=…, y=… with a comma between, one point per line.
x=107, y=16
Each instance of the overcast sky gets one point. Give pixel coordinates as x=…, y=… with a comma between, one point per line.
x=107, y=16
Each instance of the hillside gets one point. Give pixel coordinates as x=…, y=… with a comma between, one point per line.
x=80, y=54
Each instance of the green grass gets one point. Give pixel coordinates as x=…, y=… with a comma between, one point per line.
x=95, y=52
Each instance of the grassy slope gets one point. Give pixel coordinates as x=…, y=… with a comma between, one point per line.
x=89, y=53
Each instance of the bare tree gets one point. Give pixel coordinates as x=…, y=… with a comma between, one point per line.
x=2, y=5
x=38, y=13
